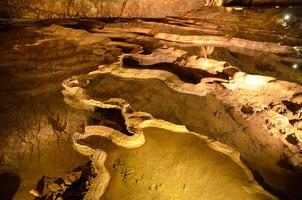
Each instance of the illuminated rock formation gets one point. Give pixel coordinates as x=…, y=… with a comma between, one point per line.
x=172, y=144
x=41, y=9
x=204, y=73
x=45, y=9
x=247, y=99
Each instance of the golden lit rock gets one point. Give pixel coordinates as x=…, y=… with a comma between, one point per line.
x=205, y=104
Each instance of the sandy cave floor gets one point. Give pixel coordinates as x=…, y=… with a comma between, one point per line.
x=171, y=170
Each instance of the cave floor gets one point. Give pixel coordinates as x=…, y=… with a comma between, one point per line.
x=228, y=75
x=181, y=167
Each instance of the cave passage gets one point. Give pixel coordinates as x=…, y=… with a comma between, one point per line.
x=144, y=99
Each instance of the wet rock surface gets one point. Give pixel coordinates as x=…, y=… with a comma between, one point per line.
x=237, y=83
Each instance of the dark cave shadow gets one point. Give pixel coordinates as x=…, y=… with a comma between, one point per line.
x=9, y=184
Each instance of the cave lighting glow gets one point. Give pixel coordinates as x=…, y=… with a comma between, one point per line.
x=247, y=82
x=287, y=16
x=255, y=81
x=295, y=66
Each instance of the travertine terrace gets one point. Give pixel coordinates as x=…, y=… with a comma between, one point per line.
x=205, y=104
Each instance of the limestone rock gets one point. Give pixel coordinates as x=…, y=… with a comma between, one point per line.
x=41, y=9
x=240, y=90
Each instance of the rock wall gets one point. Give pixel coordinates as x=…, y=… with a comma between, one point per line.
x=41, y=9
x=267, y=2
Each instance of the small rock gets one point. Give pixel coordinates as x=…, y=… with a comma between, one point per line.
x=153, y=187
x=299, y=125
x=230, y=70
x=72, y=177
x=247, y=110
x=292, y=138
x=54, y=187
x=34, y=193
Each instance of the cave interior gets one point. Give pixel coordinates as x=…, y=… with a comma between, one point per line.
x=150, y=100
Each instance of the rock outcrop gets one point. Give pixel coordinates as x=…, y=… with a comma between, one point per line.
x=265, y=2
x=42, y=9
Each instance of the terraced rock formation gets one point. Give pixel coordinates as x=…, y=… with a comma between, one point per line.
x=127, y=174
x=212, y=82
x=244, y=111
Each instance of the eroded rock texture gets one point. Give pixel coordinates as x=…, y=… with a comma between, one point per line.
x=231, y=83
x=265, y=2
x=41, y=9
x=36, y=141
